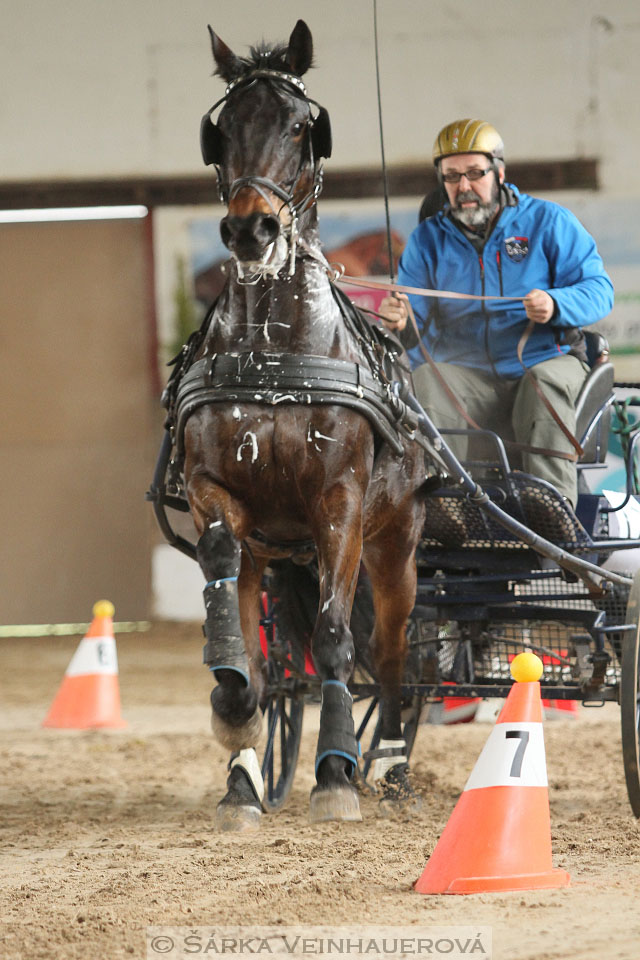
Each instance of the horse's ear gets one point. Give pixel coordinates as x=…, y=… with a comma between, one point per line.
x=227, y=64
x=300, y=52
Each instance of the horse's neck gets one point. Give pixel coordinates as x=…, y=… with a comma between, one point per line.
x=292, y=315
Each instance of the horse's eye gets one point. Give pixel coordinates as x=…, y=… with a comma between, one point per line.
x=297, y=129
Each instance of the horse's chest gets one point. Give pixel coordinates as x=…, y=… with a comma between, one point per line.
x=282, y=448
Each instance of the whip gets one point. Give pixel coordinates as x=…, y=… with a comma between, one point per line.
x=384, y=164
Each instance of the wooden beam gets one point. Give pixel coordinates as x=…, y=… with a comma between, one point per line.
x=404, y=181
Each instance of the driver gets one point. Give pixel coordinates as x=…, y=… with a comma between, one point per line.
x=491, y=239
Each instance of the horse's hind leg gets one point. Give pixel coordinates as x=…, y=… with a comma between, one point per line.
x=391, y=567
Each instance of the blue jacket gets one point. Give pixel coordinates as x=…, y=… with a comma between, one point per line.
x=534, y=243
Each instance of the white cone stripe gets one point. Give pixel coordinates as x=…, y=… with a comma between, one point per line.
x=513, y=756
x=94, y=655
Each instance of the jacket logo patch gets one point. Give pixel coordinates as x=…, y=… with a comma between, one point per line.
x=517, y=248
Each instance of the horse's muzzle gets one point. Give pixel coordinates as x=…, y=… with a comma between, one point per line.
x=248, y=237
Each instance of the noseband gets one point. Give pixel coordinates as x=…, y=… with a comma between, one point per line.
x=319, y=143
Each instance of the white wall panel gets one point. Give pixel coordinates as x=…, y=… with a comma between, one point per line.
x=94, y=88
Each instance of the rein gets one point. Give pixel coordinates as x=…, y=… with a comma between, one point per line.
x=421, y=291
x=450, y=294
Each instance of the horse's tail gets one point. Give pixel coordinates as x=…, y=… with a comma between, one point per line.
x=295, y=588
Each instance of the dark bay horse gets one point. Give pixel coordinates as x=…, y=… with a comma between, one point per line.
x=268, y=462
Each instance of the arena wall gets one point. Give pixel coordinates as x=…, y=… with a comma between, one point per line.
x=109, y=91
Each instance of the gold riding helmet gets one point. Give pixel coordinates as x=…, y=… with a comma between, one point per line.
x=468, y=136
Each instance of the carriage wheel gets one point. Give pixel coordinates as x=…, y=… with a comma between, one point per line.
x=283, y=711
x=630, y=697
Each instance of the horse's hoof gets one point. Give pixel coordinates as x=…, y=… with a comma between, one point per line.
x=236, y=818
x=340, y=803
x=399, y=799
x=237, y=738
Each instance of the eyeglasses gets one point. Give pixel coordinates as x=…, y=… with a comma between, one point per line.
x=473, y=174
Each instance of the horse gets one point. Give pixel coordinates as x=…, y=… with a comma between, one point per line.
x=280, y=450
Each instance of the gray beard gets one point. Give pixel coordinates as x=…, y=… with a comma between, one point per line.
x=476, y=218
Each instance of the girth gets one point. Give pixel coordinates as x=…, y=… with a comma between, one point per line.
x=275, y=379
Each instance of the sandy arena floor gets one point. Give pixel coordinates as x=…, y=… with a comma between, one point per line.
x=106, y=833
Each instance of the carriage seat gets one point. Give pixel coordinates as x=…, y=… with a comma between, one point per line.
x=593, y=407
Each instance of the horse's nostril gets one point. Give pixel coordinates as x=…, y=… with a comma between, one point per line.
x=225, y=232
x=270, y=227
x=248, y=237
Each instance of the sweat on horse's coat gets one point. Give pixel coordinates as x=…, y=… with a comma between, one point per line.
x=272, y=462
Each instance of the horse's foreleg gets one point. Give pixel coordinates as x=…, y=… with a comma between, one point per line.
x=339, y=543
x=391, y=567
x=240, y=808
x=221, y=522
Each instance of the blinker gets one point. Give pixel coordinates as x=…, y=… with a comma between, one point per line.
x=210, y=141
x=211, y=138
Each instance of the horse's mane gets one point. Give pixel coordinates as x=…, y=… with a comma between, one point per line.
x=263, y=55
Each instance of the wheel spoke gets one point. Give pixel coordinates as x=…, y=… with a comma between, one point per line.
x=284, y=760
x=284, y=726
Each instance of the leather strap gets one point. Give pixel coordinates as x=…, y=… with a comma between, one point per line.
x=421, y=291
x=450, y=294
x=532, y=380
x=254, y=377
x=512, y=444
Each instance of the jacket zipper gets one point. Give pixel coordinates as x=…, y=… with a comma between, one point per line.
x=486, y=318
x=499, y=263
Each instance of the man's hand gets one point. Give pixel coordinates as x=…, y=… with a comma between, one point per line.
x=393, y=311
x=539, y=306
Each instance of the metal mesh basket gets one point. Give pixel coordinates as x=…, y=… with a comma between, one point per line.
x=452, y=521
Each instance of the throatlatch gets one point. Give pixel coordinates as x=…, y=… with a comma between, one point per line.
x=337, y=733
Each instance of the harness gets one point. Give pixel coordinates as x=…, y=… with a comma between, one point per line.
x=375, y=388
x=298, y=379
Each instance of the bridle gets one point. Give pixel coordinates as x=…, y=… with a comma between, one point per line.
x=318, y=142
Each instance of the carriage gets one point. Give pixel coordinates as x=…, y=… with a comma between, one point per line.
x=502, y=565
x=485, y=592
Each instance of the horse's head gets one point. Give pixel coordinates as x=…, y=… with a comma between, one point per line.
x=266, y=146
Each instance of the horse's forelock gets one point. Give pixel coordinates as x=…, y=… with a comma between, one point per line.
x=271, y=58
x=264, y=55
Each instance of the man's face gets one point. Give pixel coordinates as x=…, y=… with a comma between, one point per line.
x=473, y=202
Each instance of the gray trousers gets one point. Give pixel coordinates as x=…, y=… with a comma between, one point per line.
x=513, y=410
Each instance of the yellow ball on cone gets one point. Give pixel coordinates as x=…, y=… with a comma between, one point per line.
x=526, y=667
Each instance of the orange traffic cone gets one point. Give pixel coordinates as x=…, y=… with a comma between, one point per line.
x=499, y=834
x=89, y=695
